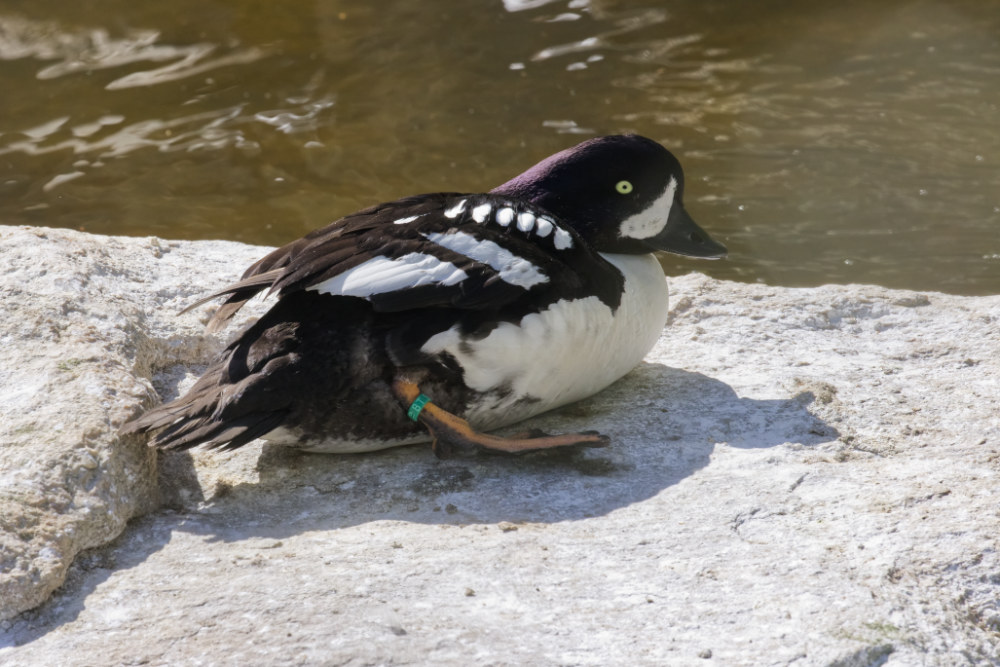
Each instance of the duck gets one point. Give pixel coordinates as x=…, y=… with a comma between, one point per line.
x=441, y=317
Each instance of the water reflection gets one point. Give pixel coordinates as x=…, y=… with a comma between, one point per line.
x=88, y=50
x=208, y=130
x=853, y=143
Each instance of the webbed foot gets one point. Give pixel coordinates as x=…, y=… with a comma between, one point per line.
x=451, y=432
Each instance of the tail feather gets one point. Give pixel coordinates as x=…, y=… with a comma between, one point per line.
x=226, y=435
x=214, y=413
x=152, y=420
x=258, y=383
x=239, y=293
x=199, y=402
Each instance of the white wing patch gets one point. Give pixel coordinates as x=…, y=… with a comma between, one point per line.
x=653, y=219
x=407, y=219
x=528, y=221
x=525, y=221
x=481, y=212
x=512, y=268
x=382, y=274
x=505, y=216
x=454, y=211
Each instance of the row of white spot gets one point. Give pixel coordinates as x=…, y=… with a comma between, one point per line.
x=505, y=215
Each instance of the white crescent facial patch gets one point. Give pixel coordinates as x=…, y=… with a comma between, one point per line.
x=650, y=221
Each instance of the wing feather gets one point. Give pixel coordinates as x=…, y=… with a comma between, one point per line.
x=428, y=251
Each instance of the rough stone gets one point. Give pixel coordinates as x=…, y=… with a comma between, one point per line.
x=797, y=476
x=85, y=320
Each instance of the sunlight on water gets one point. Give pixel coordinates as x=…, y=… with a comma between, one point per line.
x=855, y=143
x=94, y=49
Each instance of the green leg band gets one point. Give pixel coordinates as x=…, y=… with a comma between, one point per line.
x=417, y=406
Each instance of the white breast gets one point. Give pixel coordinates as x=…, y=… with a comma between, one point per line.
x=567, y=352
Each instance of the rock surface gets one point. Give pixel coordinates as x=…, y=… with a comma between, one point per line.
x=86, y=320
x=797, y=476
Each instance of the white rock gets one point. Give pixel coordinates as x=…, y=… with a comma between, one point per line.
x=802, y=476
x=85, y=319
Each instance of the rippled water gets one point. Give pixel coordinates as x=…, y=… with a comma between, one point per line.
x=855, y=143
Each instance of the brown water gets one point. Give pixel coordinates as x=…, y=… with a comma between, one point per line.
x=855, y=143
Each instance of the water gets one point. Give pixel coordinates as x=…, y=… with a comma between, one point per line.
x=855, y=143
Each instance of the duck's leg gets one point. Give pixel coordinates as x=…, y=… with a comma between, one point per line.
x=450, y=431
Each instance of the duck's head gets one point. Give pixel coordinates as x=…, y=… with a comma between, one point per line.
x=621, y=193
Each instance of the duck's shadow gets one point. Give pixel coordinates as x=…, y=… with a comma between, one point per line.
x=664, y=423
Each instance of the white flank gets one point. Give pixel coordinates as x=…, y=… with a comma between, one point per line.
x=505, y=216
x=403, y=221
x=569, y=351
x=653, y=219
x=481, y=212
x=544, y=227
x=455, y=210
x=525, y=221
x=381, y=274
x=512, y=268
x=562, y=239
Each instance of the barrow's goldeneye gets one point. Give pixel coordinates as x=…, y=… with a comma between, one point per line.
x=439, y=316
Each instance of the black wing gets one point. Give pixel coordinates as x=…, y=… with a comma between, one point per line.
x=466, y=252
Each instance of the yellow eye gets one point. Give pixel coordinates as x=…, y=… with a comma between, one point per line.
x=623, y=187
